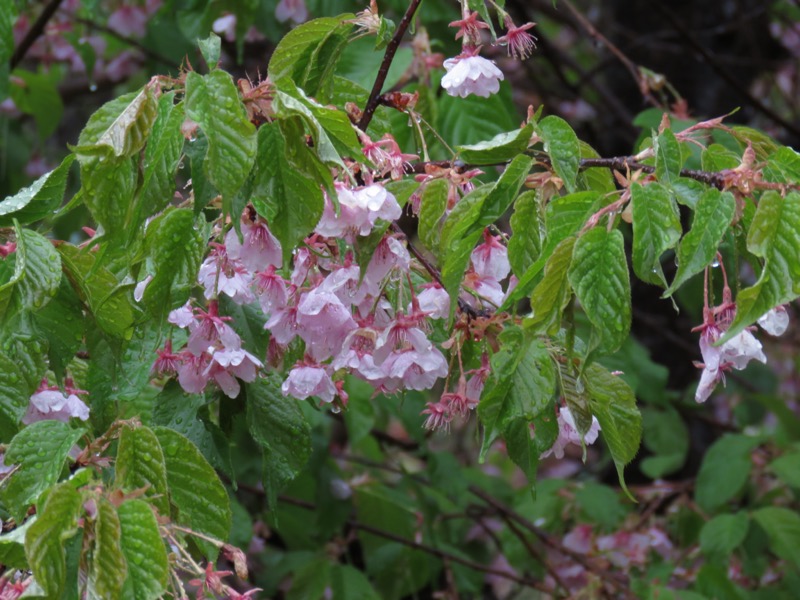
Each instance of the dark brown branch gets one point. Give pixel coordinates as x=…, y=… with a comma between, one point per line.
x=383, y=71
x=36, y=30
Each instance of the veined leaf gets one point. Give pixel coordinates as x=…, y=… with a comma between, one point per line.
x=277, y=424
x=656, y=228
x=597, y=179
x=44, y=542
x=563, y=147
x=774, y=236
x=668, y=157
x=37, y=275
x=107, y=187
x=552, y=294
x=566, y=215
x=502, y=147
x=723, y=534
x=40, y=449
x=431, y=213
x=783, y=166
x=144, y=551
x=38, y=200
x=140, y=466
x=213, y=102
x=525, y=243
x=109, y=567
x=725, y=470
x=13, y=399
x=783, y=530
x=599, y=276
x=712, y=217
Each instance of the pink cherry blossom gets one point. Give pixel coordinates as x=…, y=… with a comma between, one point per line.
x=129, y=21
x=49, y=403
x=568, y=433
x=434, y=301
x=193, y=372
x=323, y=322
x=271, y=290
x=282, y=325
x=387, y=157
x=359, y=210
x=413, y=370
x=309, y=379
x=346, y=283
x=520, y=43
x=490, y=259
x=182, y=317
x=167, y=362
x=222, y=274
x=439, y=416
x=356, y=354
x=294, y=10
x=210, y=330
x=476, y=383
x=471, y=74
x=258, y=248
x=389, y=254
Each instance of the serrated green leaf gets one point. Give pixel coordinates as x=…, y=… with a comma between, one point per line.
x=688, y=191
x=724, y=471
x=42, y=273
x=344, y=90
x=99, y=290
x=109, y=567
x=285, y=191
x=787, y=468
x=148, y=569
x=563, y=147
x=40, y=449
x=783, y=529
x=161, y=158
x=195, y=490
x=566, y=215
x=176, y=249
x=525, y=449
x=718, y=158
x=501, y=148
x=612, y=401
x=576, y=396
x=277, y=424
x=431, y=213
x=287, y=106
x=698, y=248
x=213, y=102
x=107, y=189
x=141, y=465
x=348, y=582
x=521, y=384
x=210, y=48
x=24, y=344
x=774, y=236
x=463, y=121
x=552, y=293
x=44, y=542
x=783, y=166
x=597, y=179
x=761, y=142
x=38, y=200
x=656, y=229
x=304, y=54
x=599, y=276
x=13, y=397
x=525, y=243
x=723, y=534
x=668, y=157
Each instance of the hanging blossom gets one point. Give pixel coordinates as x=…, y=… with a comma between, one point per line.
x=519, y=42
x=468, y=73
x=775, y=321
x=49, y=403
x=568, y=433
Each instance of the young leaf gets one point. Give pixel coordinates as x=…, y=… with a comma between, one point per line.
x=783, y=529
x=213, y=102
x=774, y=236
x=552, y=294
x=44, y=542
x=109, y=567
x=563, y=147
x=195, y=490
x=712, y=216
x=521, y=384
x=783, y=166
x=723, y=534
x=140, y=466
x=656, y=229
x=38, y=200
x=431, y=213
x=37, y=275
x=210, y=48
x=107, y=188
x=525, y=243
x=668, y=157
x=599, y=276
x=13, y=398
x=148, y=569
x=277, y=424
x=724, y=471
x=40, y=449
x=502, y=147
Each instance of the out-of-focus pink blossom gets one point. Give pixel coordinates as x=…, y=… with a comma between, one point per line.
x=129, y=21
x=294, y=10
x=568, y=433
x=580, y=539
x=309, y=379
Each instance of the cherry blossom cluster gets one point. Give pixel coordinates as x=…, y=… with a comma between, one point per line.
x=469, y=73
x=50, y=403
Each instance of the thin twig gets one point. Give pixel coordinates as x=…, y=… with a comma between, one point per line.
x=36, y=30
x=383, y=71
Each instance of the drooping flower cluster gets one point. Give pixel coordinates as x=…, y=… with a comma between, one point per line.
x=50, y=403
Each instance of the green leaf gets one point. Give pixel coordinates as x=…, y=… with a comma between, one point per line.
x=161, y=158
x=432, y=212
x=108, y=186
x=668, y=157
x=37, y=94
x=698, y=248
x=724, y=471
x=176, y=249
x=13, y=398
x=99, y=290
x=597, y=179
x=723, y=534
x=501, y=148
x=563, y=147
x=611, y=400
x=774, y=236
x=213, y=102
x=783, y=166
x=566, y=215
x=119, y=129
x=552, y=294
x=348, y=582
x=787, y=468
x=45, y=549
x=12, y=544
x=277, y=424
x=521, y=384
x=600, y=504
x=525, y=243
x=783, y=529
x=140, y=465
x=522, y=448
x=286, y=193
x=109, y=567
x=210, y=48
x=599, y=276
x=463, y=121
x=576, y=395
x=8, y=15
x=656, y=229
x=666, y=436
x=304, y=55
x=38, y=200
x=37, y=275
x=40, y=449
x=195, y=490
x=148, y=569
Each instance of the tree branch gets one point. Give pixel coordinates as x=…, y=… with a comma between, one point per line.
x=391, y=50
x=36, y=30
